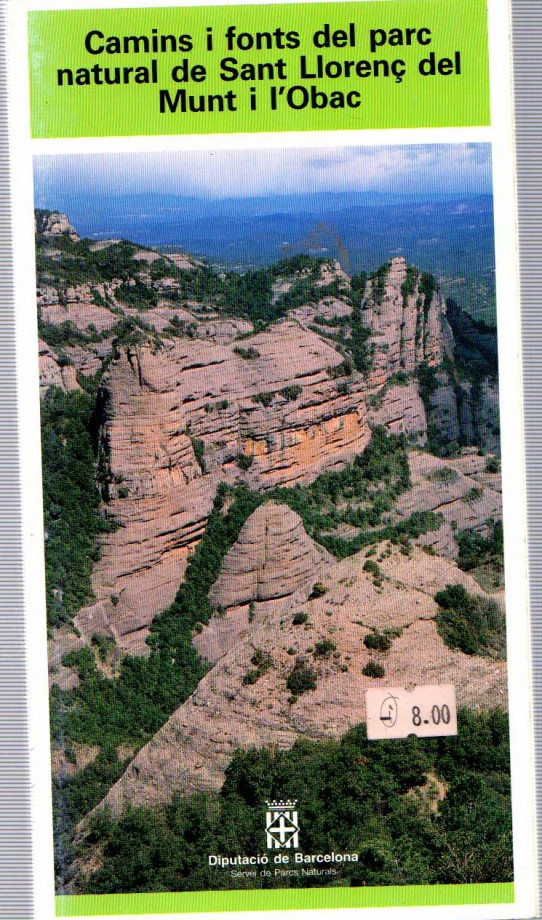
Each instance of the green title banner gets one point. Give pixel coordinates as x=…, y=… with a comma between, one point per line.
x=284, y=899
x=298, y=67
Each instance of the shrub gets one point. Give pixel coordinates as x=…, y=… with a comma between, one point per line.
x=264, y=398
x=443, y=474
x=372, y=567
x=244, y=461
x=379, y=283
x=249, y=354
x=301, y=678
x=198, y=447
x=300, y=618
x=399, y=379
x=344, y=369
x=69, y=754
x=251, y=677
x=373, y=669
x=475, y=549
x=409, y=284
x=473, y=494
x=378, y=641
x=493, y=465
x=103, y=644
x=262, y=660
x=324, y=648
x=291, y=393
x=82, y=660
x=473, y=624
x=318, y=590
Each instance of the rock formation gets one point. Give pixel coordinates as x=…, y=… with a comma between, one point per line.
x=272, y=558
x=408, y=322
x=53, y=223
x=54, y=372
x=159, y=406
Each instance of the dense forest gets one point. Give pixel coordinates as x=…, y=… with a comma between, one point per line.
x=417, y=812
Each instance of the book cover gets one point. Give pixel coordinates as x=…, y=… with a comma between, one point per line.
x=274, y=329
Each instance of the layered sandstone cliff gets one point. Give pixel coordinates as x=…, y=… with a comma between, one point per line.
x=179, y=411
x=177, y=420
x=408, y=322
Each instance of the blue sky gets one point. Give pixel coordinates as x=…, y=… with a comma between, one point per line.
x=407, y=169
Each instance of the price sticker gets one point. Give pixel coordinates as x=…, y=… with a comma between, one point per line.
x=429, y=711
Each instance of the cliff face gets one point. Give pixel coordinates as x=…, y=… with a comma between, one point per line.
x=274, y=398
x=53, y=372
x=177, y=420
x=464, y=413
x=407, y=318
x=410, y=332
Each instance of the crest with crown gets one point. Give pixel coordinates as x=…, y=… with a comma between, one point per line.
x=282, y=826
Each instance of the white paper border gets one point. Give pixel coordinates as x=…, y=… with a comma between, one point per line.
x=510, y=379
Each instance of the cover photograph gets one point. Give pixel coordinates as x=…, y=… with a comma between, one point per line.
x=274, y=332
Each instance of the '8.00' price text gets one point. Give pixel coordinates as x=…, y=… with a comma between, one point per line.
x=426, y=711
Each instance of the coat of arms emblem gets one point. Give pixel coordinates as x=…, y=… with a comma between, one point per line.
x=282, y=827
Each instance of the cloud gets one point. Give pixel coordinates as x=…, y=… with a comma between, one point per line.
x=405, y=169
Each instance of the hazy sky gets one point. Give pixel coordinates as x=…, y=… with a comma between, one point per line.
x=454, y=168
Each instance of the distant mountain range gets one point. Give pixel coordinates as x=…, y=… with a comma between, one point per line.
x=452, y=237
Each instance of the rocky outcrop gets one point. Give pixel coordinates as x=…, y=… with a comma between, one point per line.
x=330, y=272
x=400, y=408
x=53, y=223
x=486, y=416
x=460, y=490
x=77, y=305
x=407, y=317
x=270, y=398
x=55, y=372
x=272, y=559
